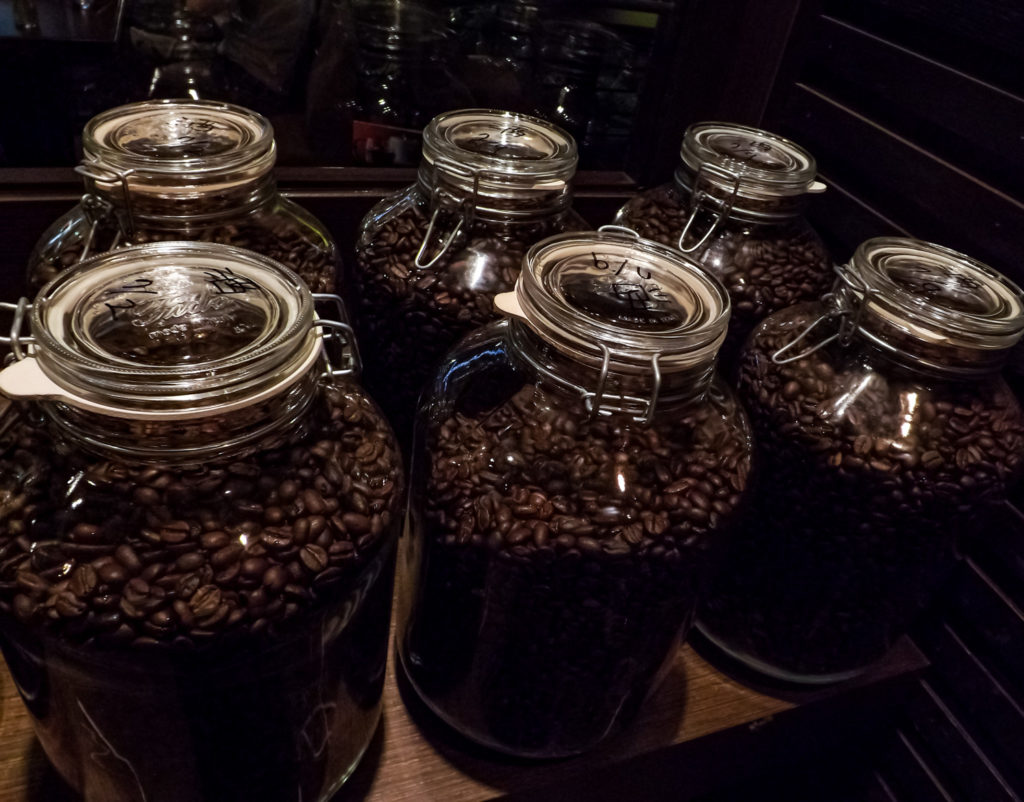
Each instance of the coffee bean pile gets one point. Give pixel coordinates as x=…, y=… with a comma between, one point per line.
x=867, y=477
x=199, y=551
x=407, y=318
x=562, y=560
x=765, y=266
x=284, y=235
x=194, y=580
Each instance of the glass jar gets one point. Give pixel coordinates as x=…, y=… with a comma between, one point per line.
x=383, y=71
x=570, y=56
x=575, y=469
x=431, y=258
x=198, y=519
x=884, y=430
x=184, y=170
x=498, y=48
x=736, y=206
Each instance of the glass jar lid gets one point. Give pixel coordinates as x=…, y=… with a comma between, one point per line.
x=177, y=144
x=613, y=300
x=487, y=153
x=167, y=330
x=947, y=310
x=737, y=160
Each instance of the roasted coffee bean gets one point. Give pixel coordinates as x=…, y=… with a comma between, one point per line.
x=202, y=544
x=279, y=233
x=408, y=317
x=860, y=501
x=126, y=555
x=313, y=557
x=765, y=266
x=541, y=620
x=84, y=581
x=184, y=578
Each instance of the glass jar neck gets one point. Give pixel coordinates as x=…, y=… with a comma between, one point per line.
x=515, y=201
x=718, y=197
x=272, y=423
x=927, y=308
x=640, y=395
x=144, y=200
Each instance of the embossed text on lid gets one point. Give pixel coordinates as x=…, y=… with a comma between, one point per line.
x=175, y=136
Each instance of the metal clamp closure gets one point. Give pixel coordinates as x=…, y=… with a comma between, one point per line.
x=338, y=336
x=640, y=409
x=16, y=340
x=719, y=210
x=466, y=207
x=98, y=171
x=847, y=301
x=600, y=402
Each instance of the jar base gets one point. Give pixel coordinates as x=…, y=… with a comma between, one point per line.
x=774, y=672
x=335, y=787
x=469, y=735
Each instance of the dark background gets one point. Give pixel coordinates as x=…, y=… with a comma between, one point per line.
x=914, y=111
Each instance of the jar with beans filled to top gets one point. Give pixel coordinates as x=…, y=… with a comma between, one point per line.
x=198, y=516
x=736, y=206
x=431, y=258
x=184, y=170
x=884, y=432
x=576, y=468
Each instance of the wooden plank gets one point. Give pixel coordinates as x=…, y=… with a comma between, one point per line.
x=415, y=758
x=998, y=547
x=844, y=220
x=711, y=61
x=988, y=619
x=922, y=192
x=903, y=761
x=913, y=95
x=987, y=708
x=954, y=748
x=980, y=37
x=879, y=790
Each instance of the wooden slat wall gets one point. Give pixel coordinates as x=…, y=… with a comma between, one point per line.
x=915, y=112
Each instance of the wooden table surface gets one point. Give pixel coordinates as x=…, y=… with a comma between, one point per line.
x=414, y=757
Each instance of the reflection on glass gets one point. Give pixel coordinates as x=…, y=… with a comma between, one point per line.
x=343, y=81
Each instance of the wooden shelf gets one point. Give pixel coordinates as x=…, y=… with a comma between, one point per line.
x=414, y=757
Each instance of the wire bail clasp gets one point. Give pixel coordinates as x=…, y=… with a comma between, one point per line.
x=97, y=209
x=15, y=339
x=466, y=207
x=338, y=335
x=597, y=402
x=847, y=300
x=719, y=211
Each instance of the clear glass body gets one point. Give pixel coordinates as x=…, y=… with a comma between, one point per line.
x=736, y=206
x=556, y=557
x=871, y=468
x=765, y=263
x=470, y=248
x=276, y=227
x=195, y=586
x=382, y=72
x=199, y=171
x=570, y=57
x=214, y=631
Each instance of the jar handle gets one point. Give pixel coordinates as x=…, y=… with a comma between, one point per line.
x=698, y=204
